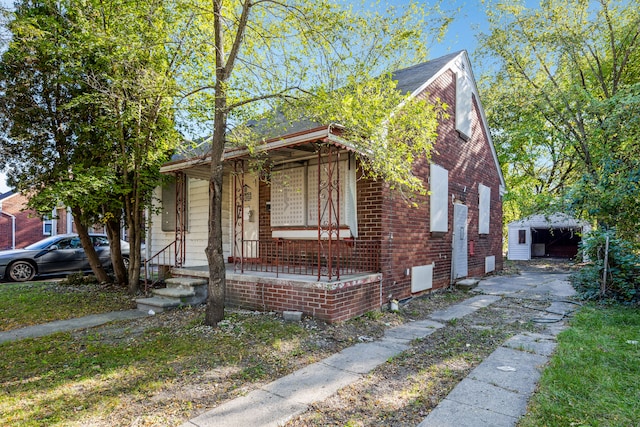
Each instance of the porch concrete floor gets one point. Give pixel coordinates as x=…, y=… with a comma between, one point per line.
x=203, y=272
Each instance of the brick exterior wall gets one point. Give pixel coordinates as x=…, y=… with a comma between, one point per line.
x=406, y=229
x=402, y=228
x=332, y=302
x=28, y=224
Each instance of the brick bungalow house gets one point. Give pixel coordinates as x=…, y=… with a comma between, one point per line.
x=369, y=246
x=20, y=227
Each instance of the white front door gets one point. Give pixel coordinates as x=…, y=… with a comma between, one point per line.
x=459, y=258
x=249, y=223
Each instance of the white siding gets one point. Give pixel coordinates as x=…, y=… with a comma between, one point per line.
x=197, y=231
x=519, y=251
x=439, y=205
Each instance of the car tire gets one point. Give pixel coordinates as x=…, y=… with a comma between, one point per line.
x=125, y=261
x=22, y=271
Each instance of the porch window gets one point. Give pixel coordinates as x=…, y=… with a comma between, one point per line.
x=484, y=204
x=294, y=201
x=439, y=206
x=169, y=207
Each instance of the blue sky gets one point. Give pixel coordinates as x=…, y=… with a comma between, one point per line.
x=461, y=35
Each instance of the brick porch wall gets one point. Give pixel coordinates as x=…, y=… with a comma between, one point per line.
x=332, y=302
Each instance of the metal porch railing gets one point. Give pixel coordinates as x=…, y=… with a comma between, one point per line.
x=158, y=266
x=310, y=257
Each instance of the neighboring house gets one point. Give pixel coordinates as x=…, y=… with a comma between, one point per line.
x=19, y=226
x=557, y=236
x=369, y=246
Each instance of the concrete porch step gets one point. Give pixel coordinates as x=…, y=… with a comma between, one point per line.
x=157, y=304
x=179, y=291
x=185, y=282
x=467, y=284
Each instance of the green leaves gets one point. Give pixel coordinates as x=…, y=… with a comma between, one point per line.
x=562, y=103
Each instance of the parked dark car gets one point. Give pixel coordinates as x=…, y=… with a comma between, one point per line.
x=58, y=254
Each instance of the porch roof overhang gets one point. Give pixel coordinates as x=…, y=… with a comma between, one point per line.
x=288, y=147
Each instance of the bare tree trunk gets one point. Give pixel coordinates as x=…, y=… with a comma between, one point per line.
x=136, y=231
x=89, y=250
x=215, y=257
x=119, y=270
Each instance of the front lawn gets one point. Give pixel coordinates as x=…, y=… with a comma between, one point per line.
x=164, y=369
x=31, y=303
x=594, y=377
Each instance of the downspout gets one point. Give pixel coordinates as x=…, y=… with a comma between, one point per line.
x=13, y=227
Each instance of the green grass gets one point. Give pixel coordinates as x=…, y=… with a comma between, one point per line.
x=65, y=379
x=594, y=377
x=26, y=304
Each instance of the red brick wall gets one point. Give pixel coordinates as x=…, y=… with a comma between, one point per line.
x=28, y=224
x=402, y=228
x=332, y=302
x=406, y=228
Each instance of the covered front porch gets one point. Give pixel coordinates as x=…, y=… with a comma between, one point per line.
x=291, y=237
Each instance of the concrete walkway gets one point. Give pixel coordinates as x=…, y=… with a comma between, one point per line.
x=69, y=325
x=494, y=394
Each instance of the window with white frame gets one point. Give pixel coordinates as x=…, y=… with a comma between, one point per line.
x=439, y=203
x=47, y=226
x=294, y=200
x=484, y=208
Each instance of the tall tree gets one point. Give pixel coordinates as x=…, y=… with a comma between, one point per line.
x=264, y=53
x=88, y=85
x=38, y=81
x=561, y=106
x=131, y=74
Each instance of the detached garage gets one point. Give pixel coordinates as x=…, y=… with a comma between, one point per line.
x=556, y=236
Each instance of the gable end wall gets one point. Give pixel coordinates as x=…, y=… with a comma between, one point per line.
x=407, y=241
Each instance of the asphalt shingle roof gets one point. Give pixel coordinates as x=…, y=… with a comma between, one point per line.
x=411, y=78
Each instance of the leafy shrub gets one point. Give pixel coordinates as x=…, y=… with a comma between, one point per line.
x=78, y=279
x=623, y=269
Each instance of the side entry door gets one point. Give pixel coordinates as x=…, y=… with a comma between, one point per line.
x=459, y=256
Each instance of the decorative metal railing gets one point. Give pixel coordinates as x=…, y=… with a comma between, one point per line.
x=157, y=267
x=310, y=257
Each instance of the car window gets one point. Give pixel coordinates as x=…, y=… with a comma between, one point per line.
x=100, y=241
x=42, y=244
x=68, y=243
